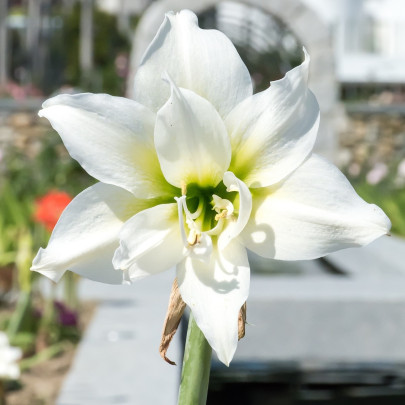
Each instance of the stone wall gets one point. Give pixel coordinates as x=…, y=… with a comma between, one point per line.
x=21, y=128
x=366, y=139
x=372, y=140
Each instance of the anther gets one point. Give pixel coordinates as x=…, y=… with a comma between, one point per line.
x=193, y=238
x=183, y=188
x=222, y=214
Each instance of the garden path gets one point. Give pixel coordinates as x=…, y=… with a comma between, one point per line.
x=117, y=361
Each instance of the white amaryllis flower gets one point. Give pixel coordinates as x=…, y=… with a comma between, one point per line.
x=9, y=356
x=195, y=170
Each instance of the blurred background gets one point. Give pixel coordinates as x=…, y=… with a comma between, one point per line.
x=334, y=328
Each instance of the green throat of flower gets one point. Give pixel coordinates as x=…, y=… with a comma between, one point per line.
x=205, y=211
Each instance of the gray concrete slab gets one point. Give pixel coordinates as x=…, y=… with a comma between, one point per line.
x=117, y=361
x=383, y=258
x=324, y=320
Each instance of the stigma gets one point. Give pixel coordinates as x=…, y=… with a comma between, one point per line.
x=223, y=208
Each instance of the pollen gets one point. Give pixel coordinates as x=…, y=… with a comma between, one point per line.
x=223, y=207
x=221, y=215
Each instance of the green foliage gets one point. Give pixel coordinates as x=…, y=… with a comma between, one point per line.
x=391, y=200
x=35, y=325
x=52, y=168
x=15, y=223
x=108, y=43
x=25, y=178
x=56, y=63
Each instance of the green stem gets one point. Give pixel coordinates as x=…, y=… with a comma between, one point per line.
x=195, y=374
x=70, y=290
x=48, y=318
x=20, y=315
x=44, y=355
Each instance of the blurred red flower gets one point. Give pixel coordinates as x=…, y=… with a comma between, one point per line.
x=49, y=208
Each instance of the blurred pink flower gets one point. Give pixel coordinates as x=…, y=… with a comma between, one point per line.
x=377, y=173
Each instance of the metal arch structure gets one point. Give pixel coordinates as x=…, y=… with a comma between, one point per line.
x=303, y=22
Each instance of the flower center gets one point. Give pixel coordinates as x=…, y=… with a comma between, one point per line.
x=206, y=219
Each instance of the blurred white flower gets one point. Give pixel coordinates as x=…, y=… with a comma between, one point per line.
x=9, y=357
x=195, y=170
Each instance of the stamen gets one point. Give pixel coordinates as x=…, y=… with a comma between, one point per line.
x=217, y=228
x=183, y=188
x=198, y=211
x=193, y=237
x=221, y=215
x=223, y=207
x=181, y=221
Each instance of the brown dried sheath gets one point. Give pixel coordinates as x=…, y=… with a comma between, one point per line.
x=173, y=316
x=242, y=322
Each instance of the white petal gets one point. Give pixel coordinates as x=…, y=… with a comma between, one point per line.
x=204, y=61
x=203, y=249
x=215, y=293
x=86, y=235
x=273, y=131
x=150, y=242
x=315, y=211
x=234, y=228
x=112, y=138
x=191, y=140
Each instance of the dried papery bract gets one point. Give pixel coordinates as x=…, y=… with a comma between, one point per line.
x=242, y=322
x=174, y=313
